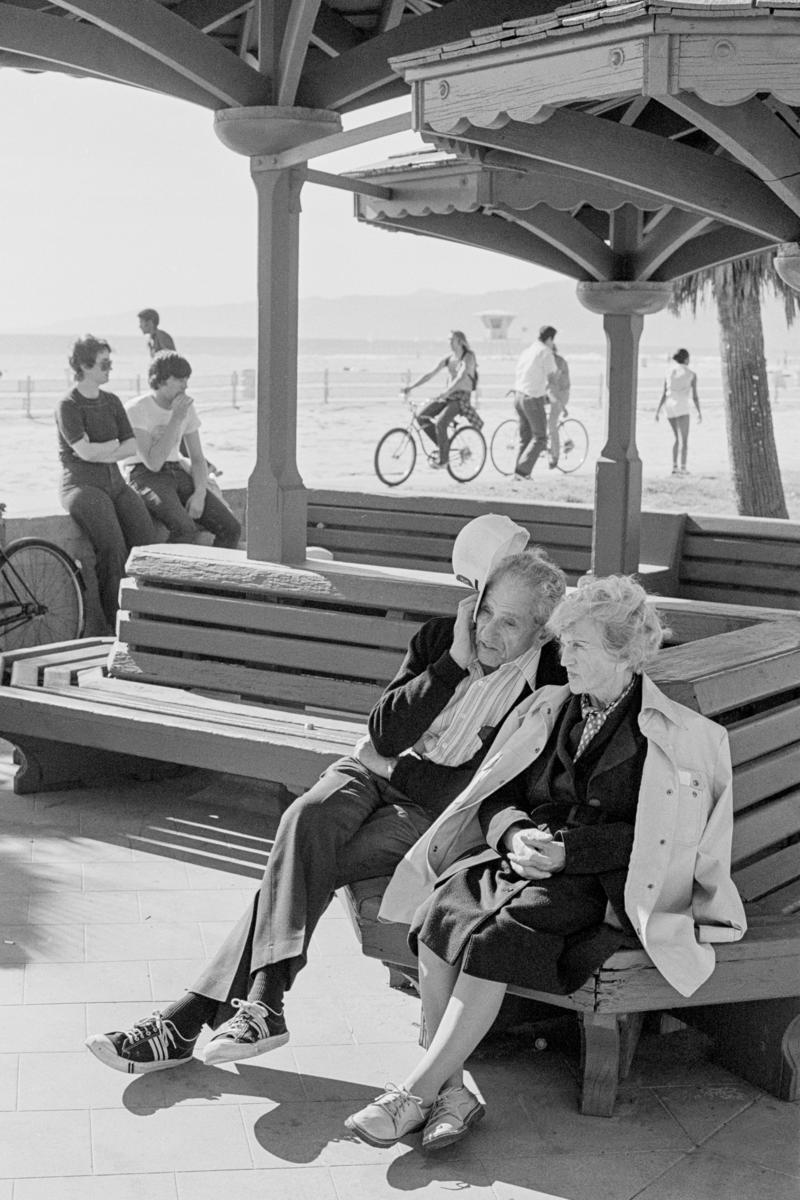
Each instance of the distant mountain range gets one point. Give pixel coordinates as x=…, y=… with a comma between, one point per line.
x=430, y=315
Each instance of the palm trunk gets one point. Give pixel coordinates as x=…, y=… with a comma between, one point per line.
x=748, y=417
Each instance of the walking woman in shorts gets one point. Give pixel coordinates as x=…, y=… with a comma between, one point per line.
x=679, y=385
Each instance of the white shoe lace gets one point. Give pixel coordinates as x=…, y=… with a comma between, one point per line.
x=150, y=1028
x=395, y=1099
x=251, y=1014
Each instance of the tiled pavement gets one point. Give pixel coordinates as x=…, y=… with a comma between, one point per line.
x=110, y=898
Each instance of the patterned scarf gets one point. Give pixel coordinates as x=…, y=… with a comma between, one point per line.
x=595, y=718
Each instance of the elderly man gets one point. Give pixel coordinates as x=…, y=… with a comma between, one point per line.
x=428, y=734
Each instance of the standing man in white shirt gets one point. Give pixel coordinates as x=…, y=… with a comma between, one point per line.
x=536, y=367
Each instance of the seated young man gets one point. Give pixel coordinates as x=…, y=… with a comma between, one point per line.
x=176, y=490
x=428, y=734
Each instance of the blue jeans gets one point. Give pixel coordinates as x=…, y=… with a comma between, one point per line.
x=113, y=518
x=166, y=492
x=532, y=418
x=435, y=418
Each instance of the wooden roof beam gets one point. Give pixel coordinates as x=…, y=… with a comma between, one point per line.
x=51, y=43
x=754, y=135
x=471, y=229
x=332, y=34
x=672, y=231
x=297, y=32
x=355, y=74
x=646, y=165
x=558, y=229
x=156, y=31
x=209, y=15
x=709, y=250
x=391, y=14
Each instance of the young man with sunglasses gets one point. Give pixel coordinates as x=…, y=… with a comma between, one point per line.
x=94, y=436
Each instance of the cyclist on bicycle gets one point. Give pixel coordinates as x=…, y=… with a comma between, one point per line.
x=435, y=418
x=536, y=367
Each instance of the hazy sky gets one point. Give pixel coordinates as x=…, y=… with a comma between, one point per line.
x=112, y=198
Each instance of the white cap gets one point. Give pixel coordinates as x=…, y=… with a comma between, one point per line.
x=481, y=545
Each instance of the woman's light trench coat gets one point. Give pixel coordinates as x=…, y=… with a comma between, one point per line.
x=679, y=894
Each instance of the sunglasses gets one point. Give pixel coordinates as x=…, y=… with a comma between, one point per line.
x=471, y=583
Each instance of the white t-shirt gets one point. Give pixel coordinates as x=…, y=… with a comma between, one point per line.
x=144, y=413
x=534, y=366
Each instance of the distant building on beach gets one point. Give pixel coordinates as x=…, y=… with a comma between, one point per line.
x=497, y=322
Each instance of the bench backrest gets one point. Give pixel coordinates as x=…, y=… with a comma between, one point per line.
x=749, y=681
x=744, y=560
x=328, y=636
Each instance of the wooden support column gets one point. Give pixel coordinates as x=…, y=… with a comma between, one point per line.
x=618, y=474
x=276, y=495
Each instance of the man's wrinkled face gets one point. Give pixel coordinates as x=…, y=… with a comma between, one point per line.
x=505, y=626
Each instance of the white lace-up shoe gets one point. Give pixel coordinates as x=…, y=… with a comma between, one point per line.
x=389, y=1117
x=253, y=1029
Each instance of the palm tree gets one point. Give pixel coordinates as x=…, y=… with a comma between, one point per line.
x=737, y=288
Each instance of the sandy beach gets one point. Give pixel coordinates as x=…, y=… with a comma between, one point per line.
x=336, y=443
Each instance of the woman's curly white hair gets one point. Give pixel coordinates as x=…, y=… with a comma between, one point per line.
x=630, y=628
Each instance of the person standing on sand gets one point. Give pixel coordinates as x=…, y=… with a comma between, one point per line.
x=157, y=339
x=94, y=435
x=680, y=383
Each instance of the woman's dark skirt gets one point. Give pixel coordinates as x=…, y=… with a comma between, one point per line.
x=547, y=935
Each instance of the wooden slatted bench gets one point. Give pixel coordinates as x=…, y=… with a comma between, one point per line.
x=283, y=665
x=419, y=531
x=748, y=679
x=745, y=560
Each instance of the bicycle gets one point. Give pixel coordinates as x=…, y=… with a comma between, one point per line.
x=396, y=452
x=504, y=447
x=41, y=594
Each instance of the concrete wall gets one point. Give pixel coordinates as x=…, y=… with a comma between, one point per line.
x=62, y=530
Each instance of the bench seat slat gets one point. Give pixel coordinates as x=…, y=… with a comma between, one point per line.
x=764, y=732
x=271, y=686
x=226, y=645
x=281, y=618
x=742, y=551
x=732, y=594
x=766, y=826
x=767, y=579
x=766, y=776
x=31, y=670
x=769, y=874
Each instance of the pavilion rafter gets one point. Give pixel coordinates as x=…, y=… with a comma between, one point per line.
x=40, y=41
x=359, y=72
x=589, y=253
x=209, y=15
x=752, y=134
x=155, y=30
x=667, y=172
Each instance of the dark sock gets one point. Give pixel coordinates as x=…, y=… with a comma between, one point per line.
x=267, y=985
x=190, y=1014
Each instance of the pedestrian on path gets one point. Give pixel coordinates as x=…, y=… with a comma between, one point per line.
x=680, y=383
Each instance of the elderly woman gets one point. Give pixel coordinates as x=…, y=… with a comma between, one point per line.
x=605, y=816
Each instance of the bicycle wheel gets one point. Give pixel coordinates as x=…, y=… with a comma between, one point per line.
x=466, y=453
x=574, y=445
x=41, y=595
x=504, y=447
x=395, y=456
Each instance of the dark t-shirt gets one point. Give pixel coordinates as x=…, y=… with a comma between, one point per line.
x=160, y=340
x=99, y=420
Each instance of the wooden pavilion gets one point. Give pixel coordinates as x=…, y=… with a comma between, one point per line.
x=623, y=144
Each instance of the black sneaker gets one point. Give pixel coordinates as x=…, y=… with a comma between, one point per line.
x=152, y=1044
x=254, y=1029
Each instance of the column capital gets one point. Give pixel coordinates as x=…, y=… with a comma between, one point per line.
x=620, y=298
x=787, y=264
x=269, y=129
